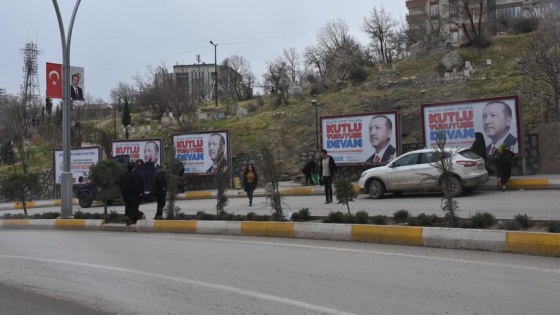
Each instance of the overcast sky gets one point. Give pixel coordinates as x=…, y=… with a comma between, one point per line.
x=116, y=39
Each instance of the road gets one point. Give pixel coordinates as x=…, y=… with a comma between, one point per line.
x=145, y=273
x=539, y=204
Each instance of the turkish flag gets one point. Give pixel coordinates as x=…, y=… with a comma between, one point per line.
x=54, y=80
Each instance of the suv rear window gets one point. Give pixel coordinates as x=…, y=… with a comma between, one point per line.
x=468, y=153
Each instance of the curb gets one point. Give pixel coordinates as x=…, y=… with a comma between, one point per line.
x=542, y=244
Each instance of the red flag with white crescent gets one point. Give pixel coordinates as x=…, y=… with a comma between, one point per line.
x=54, y=80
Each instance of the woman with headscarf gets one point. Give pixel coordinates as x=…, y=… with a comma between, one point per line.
x=504, y=164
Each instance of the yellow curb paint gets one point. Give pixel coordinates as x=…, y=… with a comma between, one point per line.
x=16, y=222
x=69, y=223
x=533, y=243
x=275, y=229
x=19, y=205
x=357, y=189
x=401, y=235
x=519, y=183
x=57, y=202
x=198, y=194
x=297, y=191
x=181, y=226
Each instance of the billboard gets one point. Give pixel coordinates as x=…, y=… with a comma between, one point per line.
x=365, y=138
x=202, y=152
x=80, y=161
x=497, y=119
x=148, y=150
x=54, y=81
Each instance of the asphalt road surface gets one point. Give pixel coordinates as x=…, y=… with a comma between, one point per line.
x=538, y=204
x=145, y=273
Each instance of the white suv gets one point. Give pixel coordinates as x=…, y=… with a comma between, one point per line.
x=416, y=171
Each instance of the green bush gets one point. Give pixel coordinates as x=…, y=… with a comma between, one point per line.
x=553, y=226
x=348, y=218
x=412, y=221
x=379, y=219
x=361, y=217
x=334, y=217
x=523, y=220
x=510, y=226
x=302, y=215
x=251, y=216
x=113, y=216
x=482, y=220
x=201, y=215
x=79, y=215
x=401, y=216
x=426, y=220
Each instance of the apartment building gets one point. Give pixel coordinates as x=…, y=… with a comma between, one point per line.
x=427, y=18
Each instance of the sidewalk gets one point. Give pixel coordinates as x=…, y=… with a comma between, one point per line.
x=291, y=188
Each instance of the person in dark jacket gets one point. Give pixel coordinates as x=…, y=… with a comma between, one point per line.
x=504, y=164
x=308, y=170
x=479, y=147
x=250, y=181
x=327, y=169
x=132, y=190
x=160, y=191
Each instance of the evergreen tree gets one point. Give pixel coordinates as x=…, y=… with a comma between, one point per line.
x=126, y=119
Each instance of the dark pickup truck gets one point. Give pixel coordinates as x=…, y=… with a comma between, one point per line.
x=88, y=192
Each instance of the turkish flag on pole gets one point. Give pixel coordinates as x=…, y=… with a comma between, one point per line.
x=54, y=80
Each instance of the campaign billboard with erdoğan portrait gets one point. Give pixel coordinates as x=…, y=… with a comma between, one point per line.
x=148, y=150
x=54, y=80
x=364, y=138
x=201, y=151
x=496, y=118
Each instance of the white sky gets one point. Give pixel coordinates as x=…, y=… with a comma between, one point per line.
x=117, y=39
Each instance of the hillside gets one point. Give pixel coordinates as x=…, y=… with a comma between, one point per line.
x=290, y=129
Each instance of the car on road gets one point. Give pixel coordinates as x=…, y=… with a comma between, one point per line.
x=417, y=171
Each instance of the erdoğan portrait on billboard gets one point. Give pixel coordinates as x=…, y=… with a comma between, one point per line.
x=364, y=138
x=54, y=81
x=496, y=118
x=148, y=150
x=202, y=152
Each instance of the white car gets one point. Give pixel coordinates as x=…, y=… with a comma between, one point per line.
x=416, y=171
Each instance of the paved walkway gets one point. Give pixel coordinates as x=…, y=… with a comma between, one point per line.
x=291, y=188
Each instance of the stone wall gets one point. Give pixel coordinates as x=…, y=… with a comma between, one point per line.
x=549, y=147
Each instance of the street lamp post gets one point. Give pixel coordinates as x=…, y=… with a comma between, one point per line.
x=216, y=72
x=66, y=180
x=314, y=103
x=114, y=118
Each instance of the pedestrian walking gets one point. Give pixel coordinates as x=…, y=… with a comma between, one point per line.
x=250, y=181
x=132, y=191
x=327, y=169
x=160, y=191
x=504, y=164
x=309, y=170
x=479, y=147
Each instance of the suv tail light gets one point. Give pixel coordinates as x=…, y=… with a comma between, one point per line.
x=466, y=163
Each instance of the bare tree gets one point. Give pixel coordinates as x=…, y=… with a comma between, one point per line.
x=380, y=27
x=333, y=37
x=541, y=62
x=292, y=60
x=243, y=82
x=123, y=92
x=467, y=15
x=277, y=81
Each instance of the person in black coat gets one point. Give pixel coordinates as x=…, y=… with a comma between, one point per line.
x=479, y=147
x=308, y=170
x=132, y=190
x=160, y=191
x=327, y=169
x=504, y=164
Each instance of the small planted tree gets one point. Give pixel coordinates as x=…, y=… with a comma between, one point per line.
x=126, y=119
x=105, y=175
x=345, y=193
x=271, y=175
x=172, y=184
x=222, y=182
x=21, y=187
x=445, y=167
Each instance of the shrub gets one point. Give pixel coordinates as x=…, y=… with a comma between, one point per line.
x=379, y=219
x=358, y=75
x=523, y=220
x=251, y=216
x=252, y=107
x=348, y=218
x=525, y=26
x=362, y=217
x=201, y=215
x=465, y=224
x=334, y=217
x=553, y=226
x=511, y=226
x=412, y=221
x=79, y=215
x=426, y=220
x=401, y=216
x=113, y=216
x=482, y=220
x=316, y=88
x=302, y=215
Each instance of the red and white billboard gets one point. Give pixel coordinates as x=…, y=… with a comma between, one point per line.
x=497, y=119
x=80, y=161
x=148, y=150
x=54, y=81
x=202, y=152
x=365, y=138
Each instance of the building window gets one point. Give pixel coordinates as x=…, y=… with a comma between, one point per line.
x=434, y=10
x=454, y=36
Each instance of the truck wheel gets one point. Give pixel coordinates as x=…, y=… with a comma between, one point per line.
x=85, y=200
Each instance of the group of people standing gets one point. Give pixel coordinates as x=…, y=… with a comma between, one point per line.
x=321, y=173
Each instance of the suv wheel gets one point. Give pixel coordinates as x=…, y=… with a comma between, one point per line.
x=84, y=199
x=455, y=186
x=376, y=189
